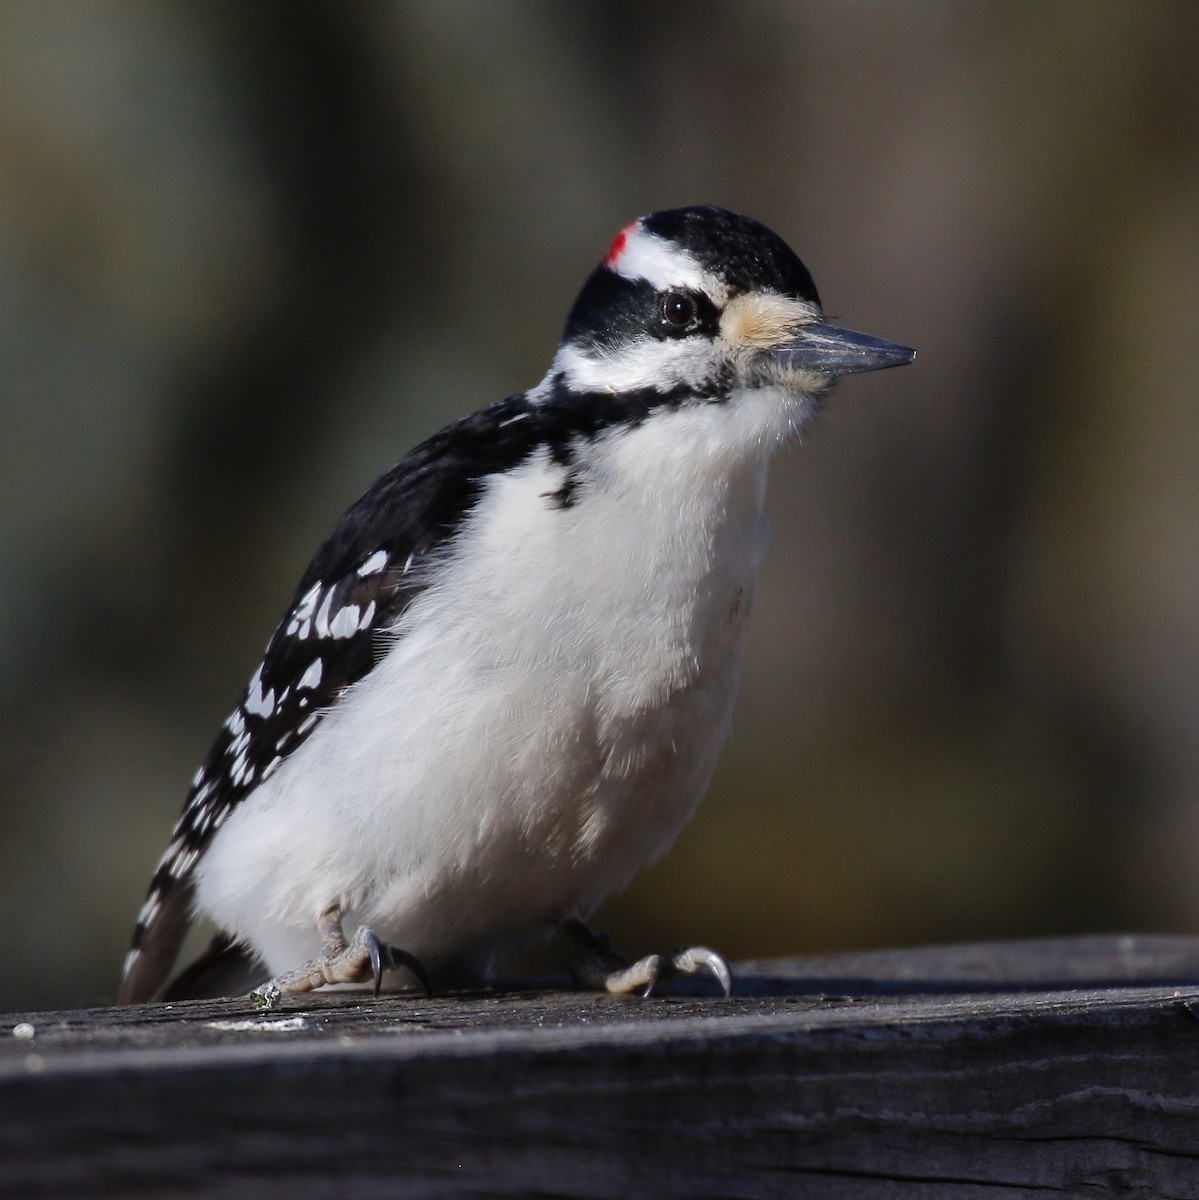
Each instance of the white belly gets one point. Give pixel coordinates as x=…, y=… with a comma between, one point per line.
x=548, y=717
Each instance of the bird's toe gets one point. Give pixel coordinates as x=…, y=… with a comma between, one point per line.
x=595, y=964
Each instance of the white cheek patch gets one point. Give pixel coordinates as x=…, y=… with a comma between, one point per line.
x=646, y=365
x=662, y=265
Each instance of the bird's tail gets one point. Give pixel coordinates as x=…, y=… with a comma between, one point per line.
x=162, y=924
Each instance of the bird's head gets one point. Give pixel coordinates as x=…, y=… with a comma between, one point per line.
x=703, y=301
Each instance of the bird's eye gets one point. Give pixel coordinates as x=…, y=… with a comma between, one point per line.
x=677, y=309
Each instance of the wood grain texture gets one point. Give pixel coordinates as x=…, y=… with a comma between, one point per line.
x=1064, y=1067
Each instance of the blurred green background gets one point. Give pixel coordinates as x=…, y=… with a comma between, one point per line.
x=250, y=253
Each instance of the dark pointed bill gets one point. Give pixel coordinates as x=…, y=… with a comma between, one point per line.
x=834, y=351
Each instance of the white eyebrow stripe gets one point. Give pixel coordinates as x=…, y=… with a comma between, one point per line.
x=661, y=265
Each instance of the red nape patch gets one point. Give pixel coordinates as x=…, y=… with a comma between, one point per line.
x=617, y=248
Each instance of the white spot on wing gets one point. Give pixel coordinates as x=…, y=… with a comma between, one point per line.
x=374, y=564
x=345, y=623
x=321, y=622
x=256, y=702
x=149, y=910
x=312, y=677
x=184, y=863
x=301, y=620
x=199, y=797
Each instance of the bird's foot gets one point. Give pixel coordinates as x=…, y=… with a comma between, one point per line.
x=341, y=962
x=595, y=964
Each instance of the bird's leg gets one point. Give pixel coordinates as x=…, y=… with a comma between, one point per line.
x=340, y=962
x=595, y=964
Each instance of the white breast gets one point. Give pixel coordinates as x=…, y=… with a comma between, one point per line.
x=547, y=718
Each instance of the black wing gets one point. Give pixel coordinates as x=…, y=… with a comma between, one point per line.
x=357, y=587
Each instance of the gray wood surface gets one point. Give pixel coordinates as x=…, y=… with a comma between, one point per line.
x=1066, y=1067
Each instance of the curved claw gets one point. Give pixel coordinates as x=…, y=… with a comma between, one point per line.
x=688, y=961
x=383, y=956
x=375, y=949
x=595, y=965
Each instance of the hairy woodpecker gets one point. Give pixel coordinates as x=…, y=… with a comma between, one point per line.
x=502, y=684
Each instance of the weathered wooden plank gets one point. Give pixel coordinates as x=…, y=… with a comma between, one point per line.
x=1068, y=1066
